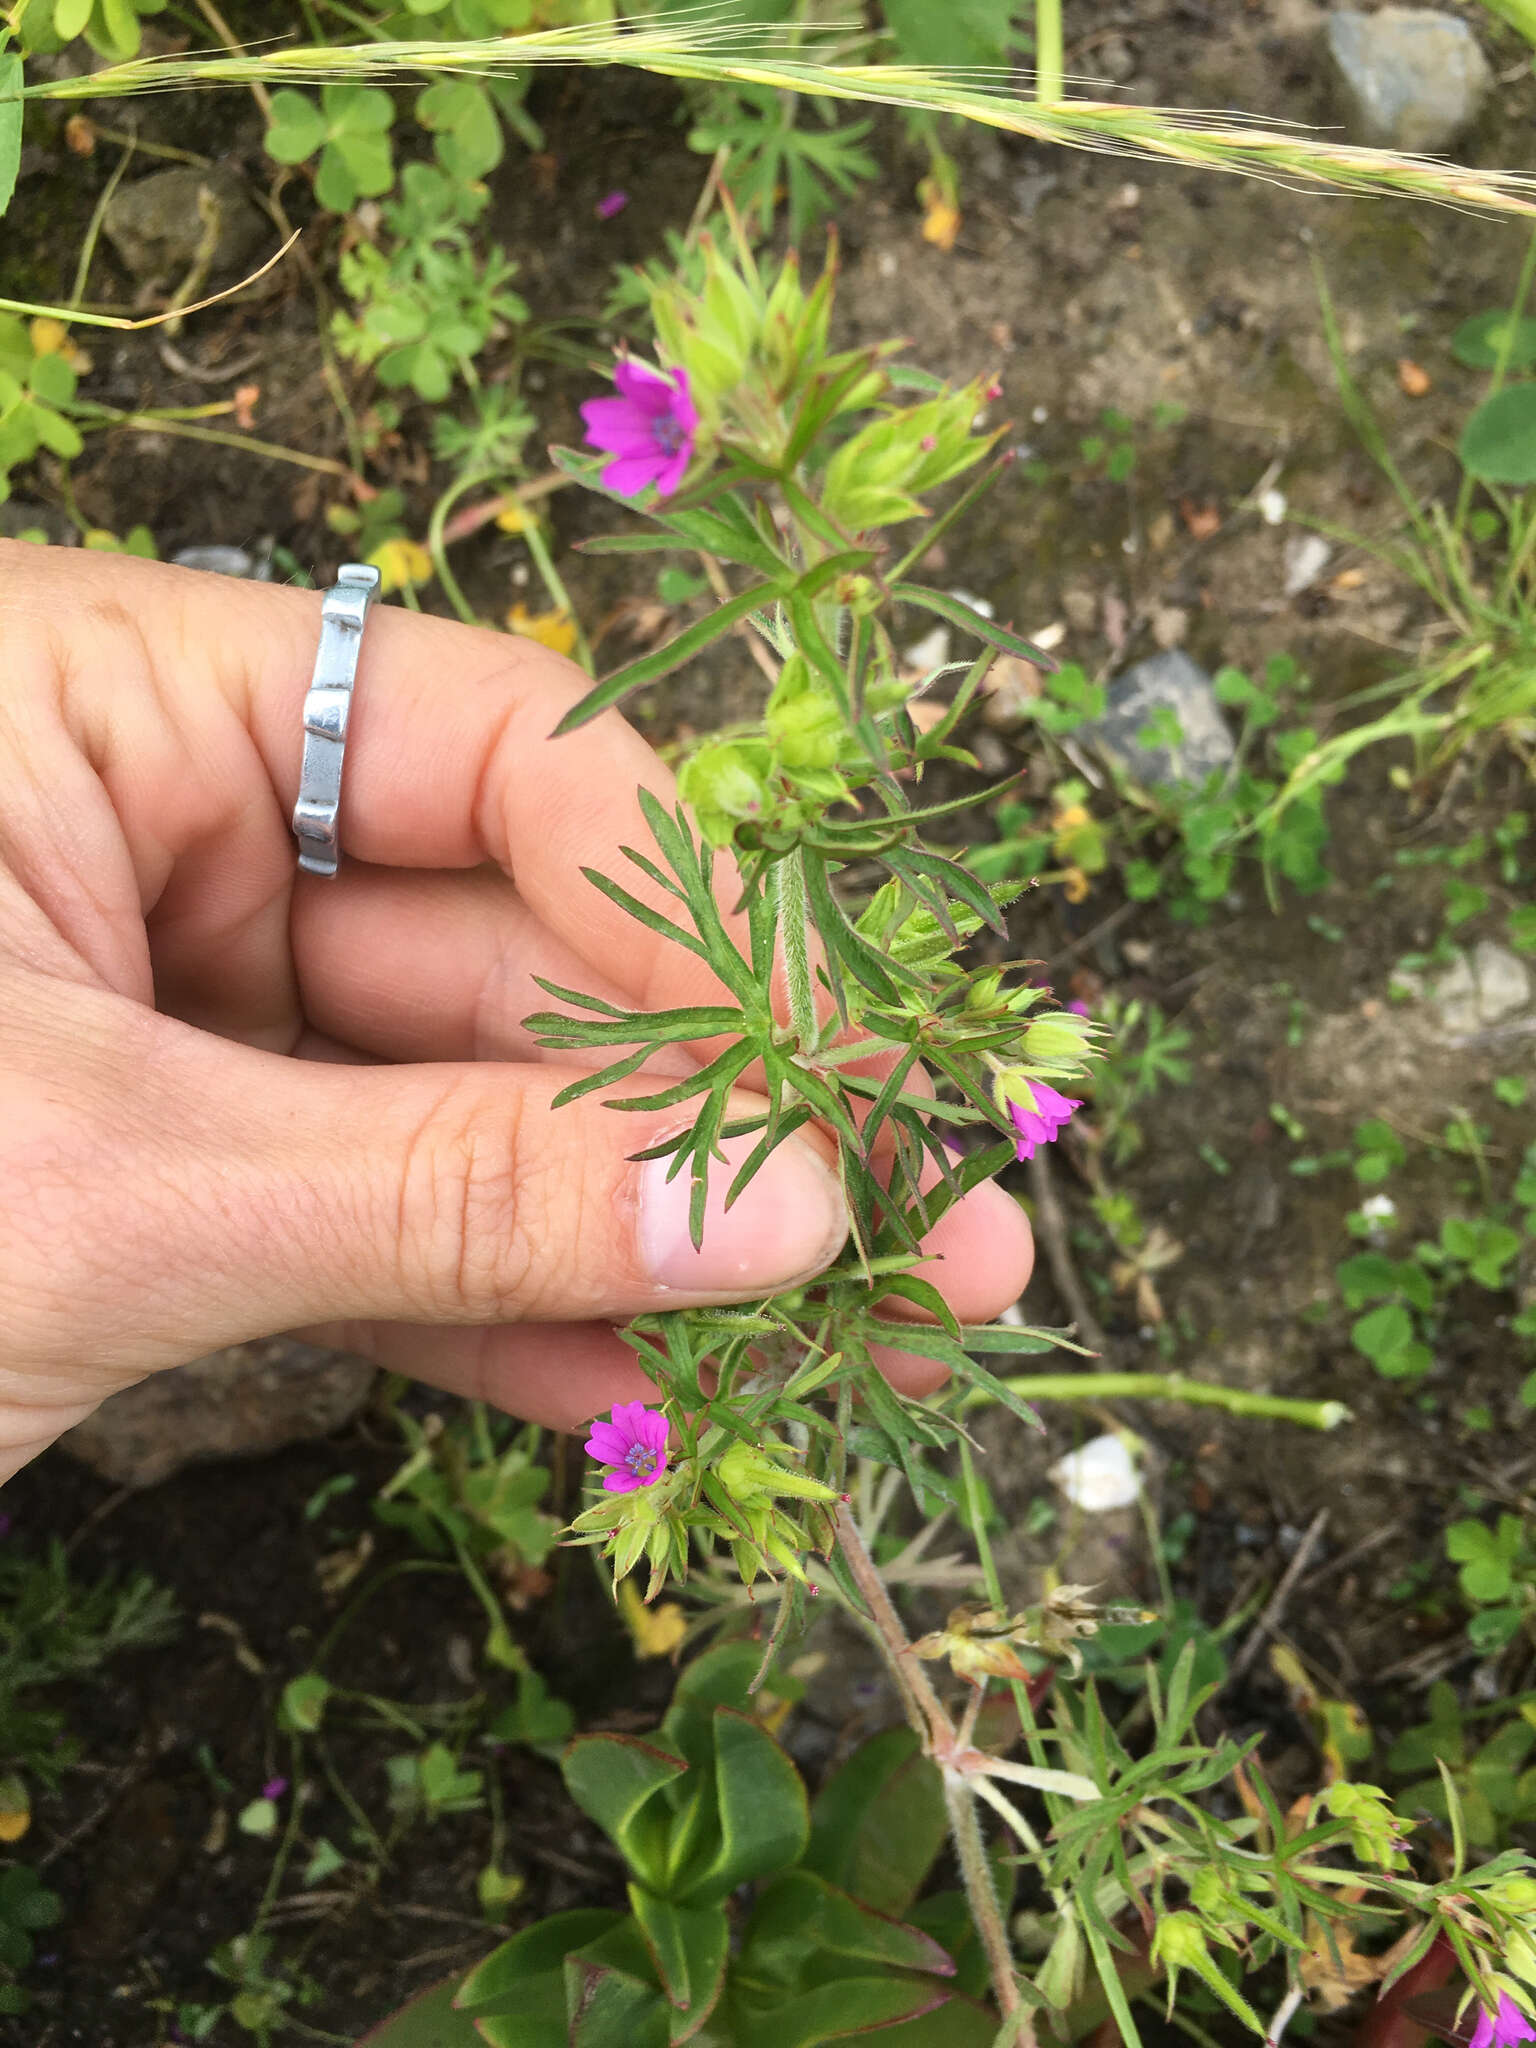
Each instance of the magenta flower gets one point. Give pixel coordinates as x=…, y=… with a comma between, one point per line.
x=648, y=428
x=1039, y=1125
x=274, y=1788
x=610, y=204
x=1503, y=2028
x=1080, y=1009
x=634, y=1443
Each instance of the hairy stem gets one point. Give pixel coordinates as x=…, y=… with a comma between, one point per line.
x=794, y=934
x=925, y=1710
x=980, y=1892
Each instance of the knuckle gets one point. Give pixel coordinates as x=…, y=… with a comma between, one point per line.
x=465, y=1223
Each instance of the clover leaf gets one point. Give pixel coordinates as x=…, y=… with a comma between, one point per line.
x=349, y=127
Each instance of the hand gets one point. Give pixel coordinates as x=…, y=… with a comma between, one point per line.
x=235, y=1099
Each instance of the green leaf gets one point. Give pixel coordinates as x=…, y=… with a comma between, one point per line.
x=10, y=125
x=613, y=1778
x=1478, y=341
x=429, y=2021
x=1498, y=443
x=70, y=18
x=689, y=1946
x=970, y=621
x=296, y=128
x=800, y=1911
x=764, y=1823
x=303, y=1703
x=650, y=667
x=850, y=2005
x=611, y=2008
x=497, y=1984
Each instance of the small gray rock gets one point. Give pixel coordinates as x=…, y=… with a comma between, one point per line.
x=1145, y=695
x=1503, y=981
x=1472, y=990
x=1408, y=77
x=233, y=1404
x=157, y=223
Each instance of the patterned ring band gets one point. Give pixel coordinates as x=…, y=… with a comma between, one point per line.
x=326, y=708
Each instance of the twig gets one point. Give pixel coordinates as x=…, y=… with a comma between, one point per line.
x=1353, y=1555
x=225, y=34
x=1051, y=1229
x=1282, y=2019
x=925, y=1709
x=1270, y=1619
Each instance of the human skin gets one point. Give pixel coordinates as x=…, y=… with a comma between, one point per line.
x=235, y=1099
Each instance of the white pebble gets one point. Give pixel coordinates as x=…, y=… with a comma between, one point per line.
x=1098, y=1477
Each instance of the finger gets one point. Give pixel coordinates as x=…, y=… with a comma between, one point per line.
x=180, y=1192
x=422, y=966
x=183, y=694
x=557, y=1374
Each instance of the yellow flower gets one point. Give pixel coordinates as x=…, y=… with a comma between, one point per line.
x=52, y=338
x=15, y=1807
x=655, y=1631
x=941, y=216
x=556, y=629
x=515, y=518
x=401, y=561
x=1074, y=885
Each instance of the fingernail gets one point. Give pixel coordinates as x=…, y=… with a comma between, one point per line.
x=786, y=1224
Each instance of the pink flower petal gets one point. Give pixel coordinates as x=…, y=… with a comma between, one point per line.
x=652, y=1430
x=672, y=472
x=620, y=1482
x=609, y=1446
x=629, y=474
x=617, y=426
x=643, y=386
x=683, y=409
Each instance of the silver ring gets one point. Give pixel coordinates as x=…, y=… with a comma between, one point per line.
x=326, y=708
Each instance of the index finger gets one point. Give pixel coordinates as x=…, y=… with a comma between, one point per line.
x=449, y=759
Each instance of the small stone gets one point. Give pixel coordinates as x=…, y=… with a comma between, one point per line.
x=157, y=223
x=1170, y=626
x=1028, y=191
x=1409, y=78
x=219, y=560
x=1470, y=992
x=1081, y=606
x=1307, y=555
x=1142, y=698
x=1099, y=1477
x=237, y=1403
x=1503, y=981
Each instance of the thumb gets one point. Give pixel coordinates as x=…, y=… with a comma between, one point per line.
x=183, y=1192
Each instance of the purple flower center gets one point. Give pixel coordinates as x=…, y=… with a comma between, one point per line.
x=668, y=432
x=640, y=1460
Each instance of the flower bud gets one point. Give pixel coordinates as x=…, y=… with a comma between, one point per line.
x=1057, y=1036
x=722, y=783
x=1178, y=1943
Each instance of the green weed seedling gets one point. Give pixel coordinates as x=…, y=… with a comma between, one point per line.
x=426, y=303
x=1497, y=1575
x=37, y=387
x=1490, y=1778
x=26, y=1908
x=470, y=1490
x=56, y=1626
x=828, y=1940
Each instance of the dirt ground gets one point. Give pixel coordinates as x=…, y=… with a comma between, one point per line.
x=1087, y=282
